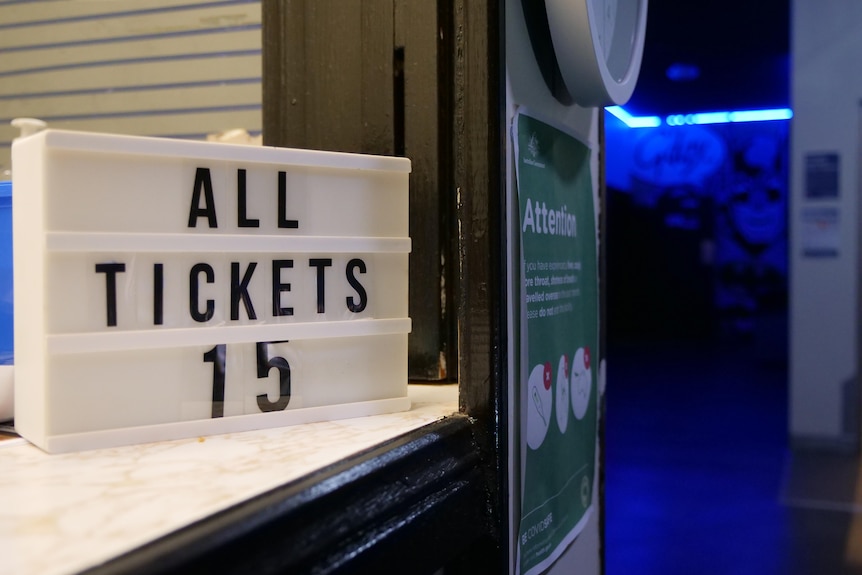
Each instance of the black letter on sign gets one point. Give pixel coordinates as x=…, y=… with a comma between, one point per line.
x=194, y=289
x=264, y=365
x=216, y=356
x=321, y=264
x=278, y=287
x=239, y=290
x=203, y=181
x=242, y=220
x=110, y=271
x=283, y=222
x=354, y=283
x=158, y=294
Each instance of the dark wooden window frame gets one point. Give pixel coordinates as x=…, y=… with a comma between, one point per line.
x=436, y=497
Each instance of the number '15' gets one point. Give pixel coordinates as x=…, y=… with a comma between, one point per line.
x=265, y=364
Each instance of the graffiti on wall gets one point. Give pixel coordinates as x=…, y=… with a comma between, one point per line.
x=725, y=186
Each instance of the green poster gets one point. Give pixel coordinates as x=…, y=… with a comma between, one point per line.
x=559, y=340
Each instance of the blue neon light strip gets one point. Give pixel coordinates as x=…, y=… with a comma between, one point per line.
x=702, y=118
x=634, y=121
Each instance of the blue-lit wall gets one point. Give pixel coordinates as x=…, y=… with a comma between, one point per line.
x=698, y=229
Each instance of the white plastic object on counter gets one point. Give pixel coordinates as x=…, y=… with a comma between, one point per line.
x=175, y=288
x=28, y=126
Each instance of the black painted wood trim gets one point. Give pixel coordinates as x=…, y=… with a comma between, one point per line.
x=479, y=177
x=411, y=505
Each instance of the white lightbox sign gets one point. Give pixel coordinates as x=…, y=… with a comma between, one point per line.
x=168, y=288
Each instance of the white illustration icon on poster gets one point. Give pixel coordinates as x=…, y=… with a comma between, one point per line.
x=562, y=407
x=539, y=404
x=581, y=382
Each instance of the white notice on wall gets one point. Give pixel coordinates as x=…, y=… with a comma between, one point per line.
x=820, y=232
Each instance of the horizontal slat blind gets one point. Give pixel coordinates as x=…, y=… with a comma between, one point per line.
x=176, y=68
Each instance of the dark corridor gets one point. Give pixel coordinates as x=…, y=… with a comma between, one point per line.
x=699, y=475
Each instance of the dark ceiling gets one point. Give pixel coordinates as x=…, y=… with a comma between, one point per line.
x=741, y=49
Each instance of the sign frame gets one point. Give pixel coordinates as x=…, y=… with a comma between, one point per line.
x=141, y=208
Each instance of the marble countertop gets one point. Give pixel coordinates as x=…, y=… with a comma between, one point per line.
x=60, y=514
